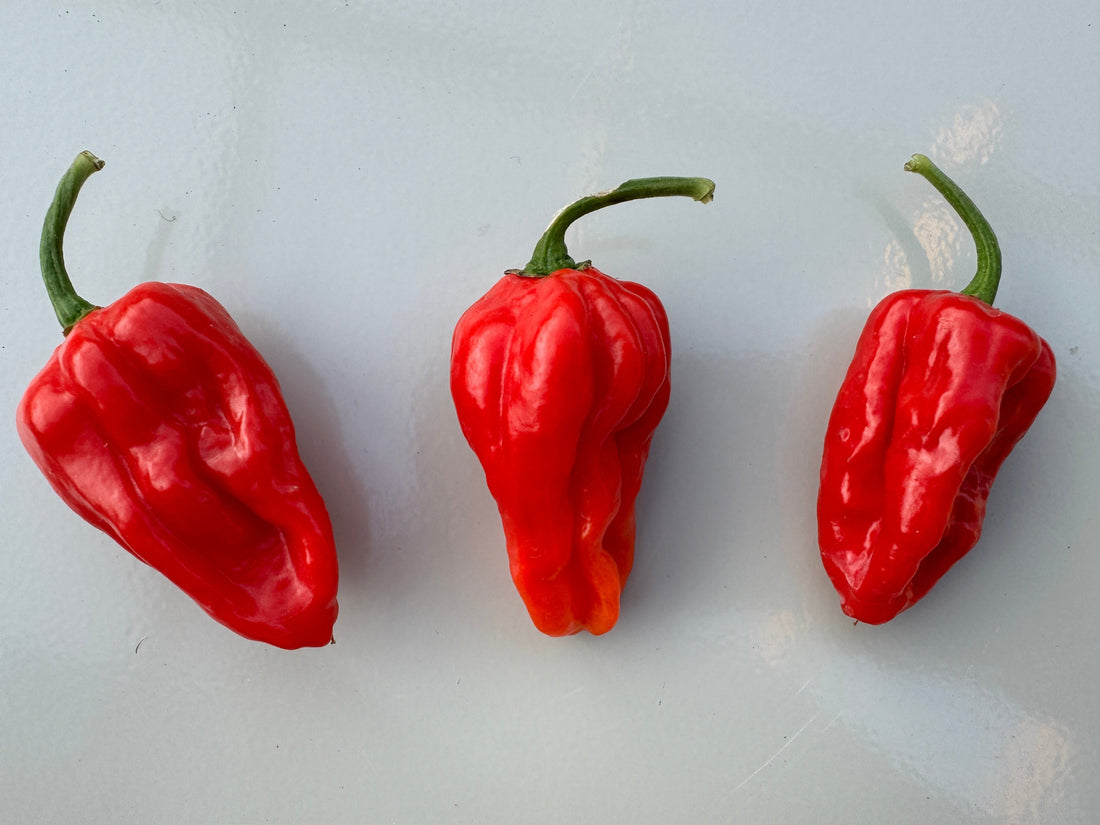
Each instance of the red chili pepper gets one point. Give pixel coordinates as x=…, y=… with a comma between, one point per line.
x=560, y=376
x=160, y=424
x=941, y=389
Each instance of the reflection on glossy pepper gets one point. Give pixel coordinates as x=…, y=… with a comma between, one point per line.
x=560, y=375
x=161, y=425
x=941, y=388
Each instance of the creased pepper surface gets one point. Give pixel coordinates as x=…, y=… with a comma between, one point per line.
x=941, y=389
x=159, y=423
x=559, y=383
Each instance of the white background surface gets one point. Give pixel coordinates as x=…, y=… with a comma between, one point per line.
x=347, y=178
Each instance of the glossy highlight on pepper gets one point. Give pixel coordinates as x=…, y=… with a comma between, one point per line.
x=560, y=375
x=159, y=423
x=941, y=388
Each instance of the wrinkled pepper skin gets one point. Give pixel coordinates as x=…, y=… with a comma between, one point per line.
x=941, y=388
x=559, y=383
x=560, y=375
x=160, y=424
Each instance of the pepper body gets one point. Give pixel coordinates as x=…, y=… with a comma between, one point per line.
x=160, y=424
x=941, y=388
x=559, y=383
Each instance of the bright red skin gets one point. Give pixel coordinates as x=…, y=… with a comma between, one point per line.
x=160, y=424
x=941, y=389
x=559, y=383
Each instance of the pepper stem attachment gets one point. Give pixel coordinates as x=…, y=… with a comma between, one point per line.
x=68, y=306
x=985, y=281
x=550, y=253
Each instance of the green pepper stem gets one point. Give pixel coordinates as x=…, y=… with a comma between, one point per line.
x=550, y=253
x=68, y=306
x=985, y=281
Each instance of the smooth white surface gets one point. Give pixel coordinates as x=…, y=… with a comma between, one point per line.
x=347, y=178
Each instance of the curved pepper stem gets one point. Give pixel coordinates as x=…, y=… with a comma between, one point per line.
x=985, y=281
x=68, y=306
x=550, y=253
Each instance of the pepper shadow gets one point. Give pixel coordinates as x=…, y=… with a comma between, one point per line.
x=727, y=511
x=916, y=267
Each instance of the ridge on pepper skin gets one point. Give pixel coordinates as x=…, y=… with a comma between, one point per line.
x=941, y=388
x=560, y=383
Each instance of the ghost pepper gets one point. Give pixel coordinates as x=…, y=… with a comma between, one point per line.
x=941, y=388
x=160, y=424
x=560, y=375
